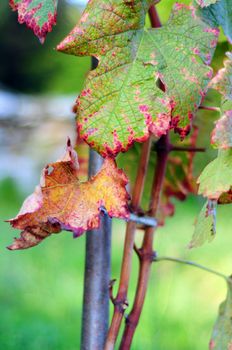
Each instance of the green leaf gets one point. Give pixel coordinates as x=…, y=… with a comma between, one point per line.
x=222, y=333
x=121, y=101
x=39, y=15
x=220, y=14
x=205, y=227
x=222, y=82
x=216, y=178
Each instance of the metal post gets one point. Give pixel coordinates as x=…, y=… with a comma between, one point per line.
x=95, y=317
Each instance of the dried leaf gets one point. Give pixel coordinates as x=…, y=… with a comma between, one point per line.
x=39, y=15
x=62, y=202
x=205, y=227
x=222, y=332
x=121, y=101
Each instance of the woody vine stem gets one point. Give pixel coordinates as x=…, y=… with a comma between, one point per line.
x=145, y=253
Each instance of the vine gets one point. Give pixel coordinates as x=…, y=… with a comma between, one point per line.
x=147, y=84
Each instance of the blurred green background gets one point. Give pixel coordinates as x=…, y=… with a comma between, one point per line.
x=41, y=288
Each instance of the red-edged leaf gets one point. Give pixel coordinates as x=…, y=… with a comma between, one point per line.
x=216, y=179
x=62, y=202
x=222, y=134
x=121, y=102
x=222, y=82
x=39, y=15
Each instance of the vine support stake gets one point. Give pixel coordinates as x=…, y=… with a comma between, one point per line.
x=95, y=316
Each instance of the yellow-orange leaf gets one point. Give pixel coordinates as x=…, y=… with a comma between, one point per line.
x=62, y=202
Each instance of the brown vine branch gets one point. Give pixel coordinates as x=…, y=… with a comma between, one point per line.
x=145, y=253
x=187, y=149
x=171, y=148
x=121, y=299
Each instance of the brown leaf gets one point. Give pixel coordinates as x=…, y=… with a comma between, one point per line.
x=62, y=202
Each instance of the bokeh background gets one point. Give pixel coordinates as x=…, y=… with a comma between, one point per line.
x=41, y=288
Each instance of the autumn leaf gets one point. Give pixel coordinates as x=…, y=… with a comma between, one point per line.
x=219, y=13
x=205, y=226
x=121, y=101
x=62, y=202
x=222, y=333
x=39, y=15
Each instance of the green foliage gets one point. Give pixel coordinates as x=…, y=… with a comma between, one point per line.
x=219, y=14
x=123, y=91
x=148, y=81
x=222, y=332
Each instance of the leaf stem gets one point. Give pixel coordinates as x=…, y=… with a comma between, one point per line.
x=191, y=263
x=209, y=108
x=120, y=302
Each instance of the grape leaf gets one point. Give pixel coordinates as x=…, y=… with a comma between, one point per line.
x=61, y=202
x=205, y=227
x=216, y=178
x=121, y=101
x=222, y=82
x=204, y=3
x=39, y=15
x=222, y=133
x=222, y=333
x=219, y=14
